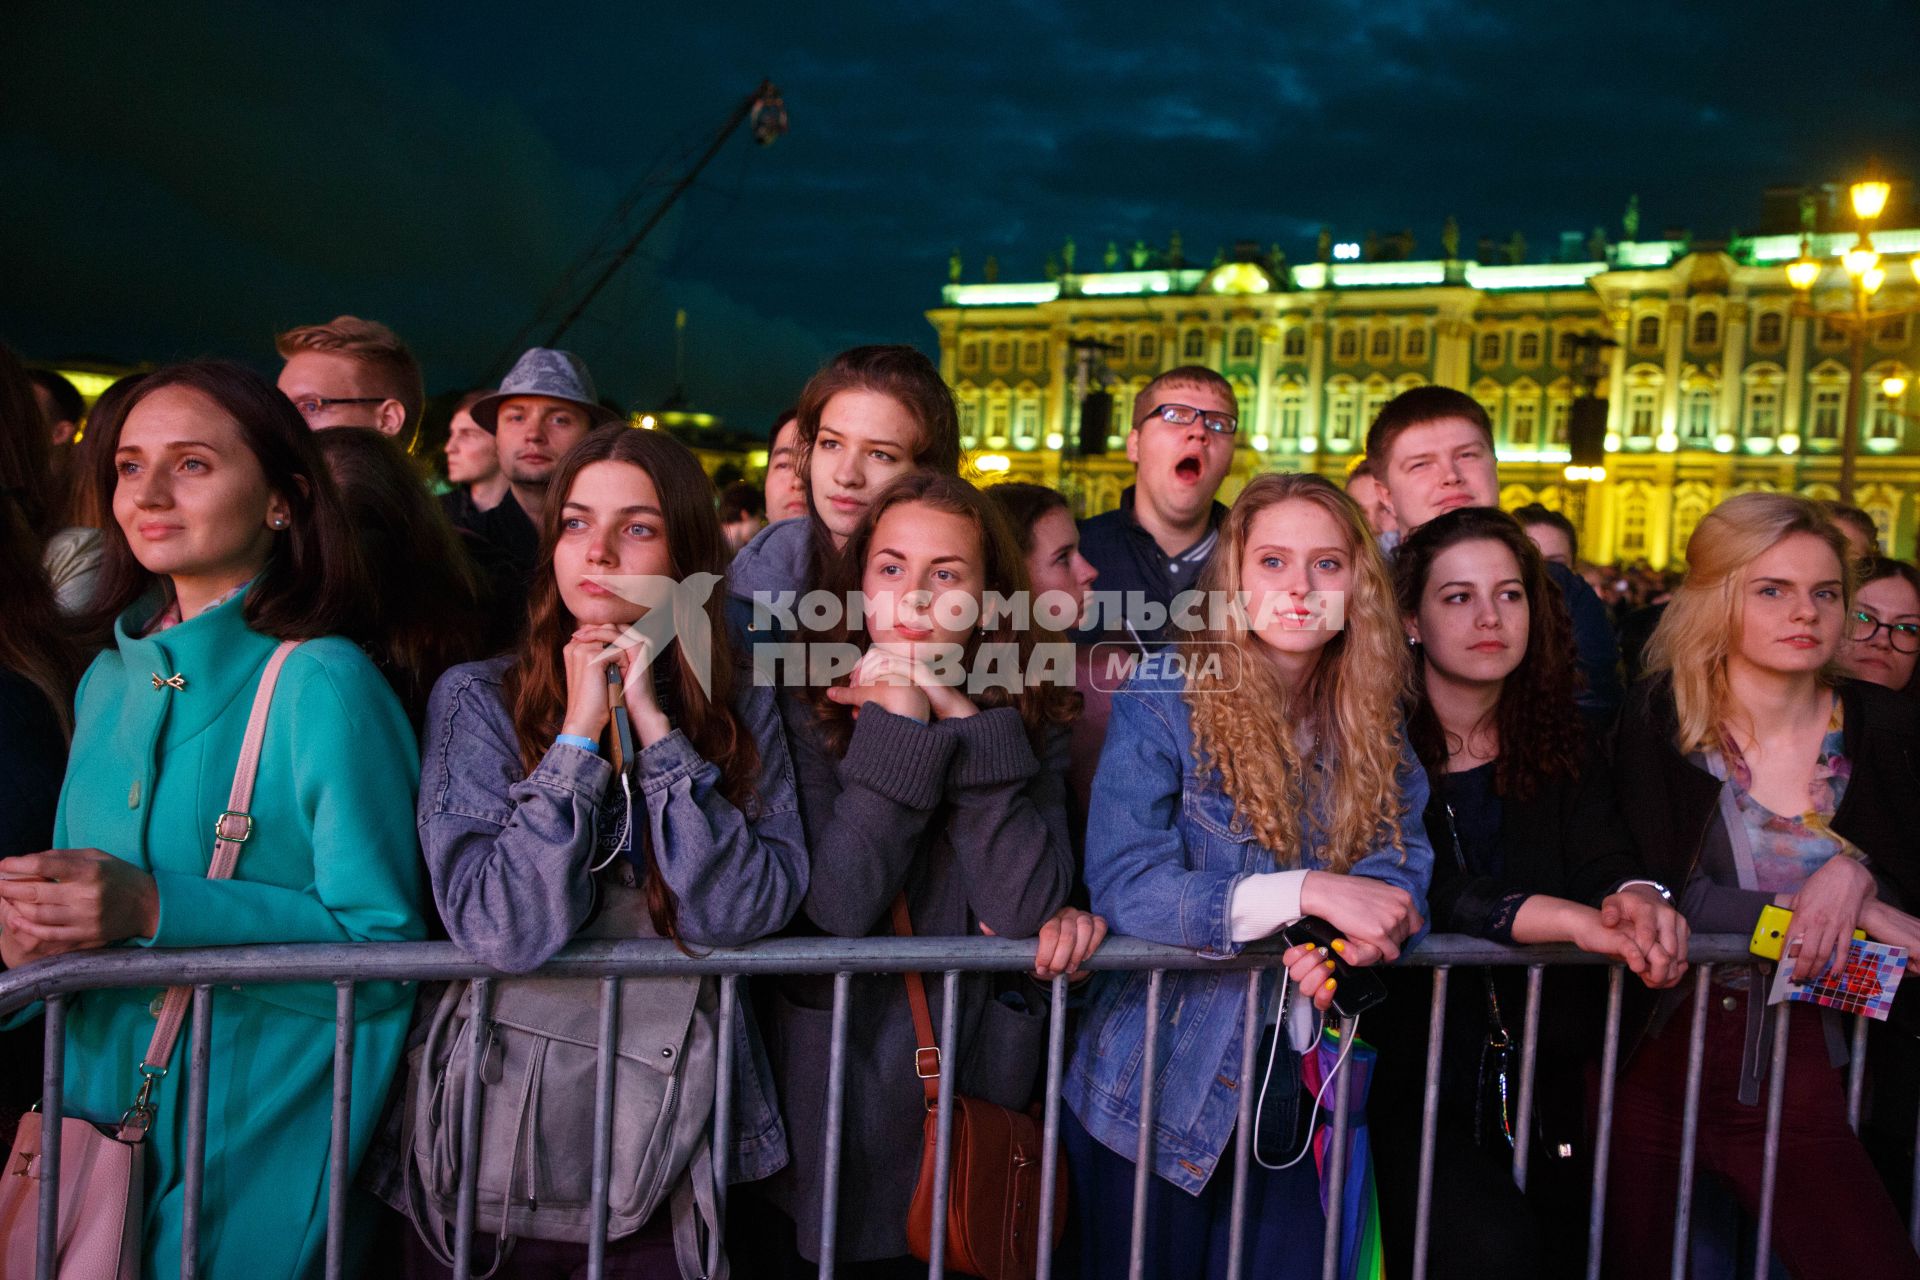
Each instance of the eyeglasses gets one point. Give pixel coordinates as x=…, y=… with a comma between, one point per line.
x=1904, y=636
x=314, y=406
x=1181, y=415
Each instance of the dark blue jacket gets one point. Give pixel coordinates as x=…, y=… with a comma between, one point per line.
x=1131, y=564
x=1594, y=643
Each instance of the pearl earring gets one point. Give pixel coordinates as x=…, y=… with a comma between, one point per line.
x=279, y=522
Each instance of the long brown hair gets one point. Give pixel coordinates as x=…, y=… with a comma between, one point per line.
x=35, y=641
x=1537, y=719
x=1041, y=704
x=903, y=375
x=312, y=584
x=431, y=614
x=1245, y=718
x=536, y=683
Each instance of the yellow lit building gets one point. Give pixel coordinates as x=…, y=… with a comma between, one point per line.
x=1715, y=386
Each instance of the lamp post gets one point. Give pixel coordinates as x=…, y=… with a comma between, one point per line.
x=1857, y=320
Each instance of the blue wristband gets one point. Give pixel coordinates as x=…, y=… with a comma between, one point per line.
x=577, y=740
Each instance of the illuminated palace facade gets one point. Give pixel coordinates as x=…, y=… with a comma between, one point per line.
x=1716, y=386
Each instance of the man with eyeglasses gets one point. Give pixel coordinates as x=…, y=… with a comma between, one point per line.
x=351, y=372
x=1150, y=550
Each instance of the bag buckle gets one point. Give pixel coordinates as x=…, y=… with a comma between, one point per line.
x=220, y=827
x=139, y=1117
x=920, y=1060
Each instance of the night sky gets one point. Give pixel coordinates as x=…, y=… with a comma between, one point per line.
x=186, y=180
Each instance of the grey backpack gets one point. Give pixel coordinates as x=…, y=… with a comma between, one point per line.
x=540, y=1064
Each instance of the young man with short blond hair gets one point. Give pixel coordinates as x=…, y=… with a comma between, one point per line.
x=351, y=372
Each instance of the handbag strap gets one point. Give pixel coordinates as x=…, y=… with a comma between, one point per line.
x=232, y=829
x=926, y=1054
x=1496, y=1023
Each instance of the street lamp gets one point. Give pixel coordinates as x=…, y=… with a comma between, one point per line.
x=1866, y=274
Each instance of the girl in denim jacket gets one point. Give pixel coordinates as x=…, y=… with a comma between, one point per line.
x=522, y=815
x=1259, y=774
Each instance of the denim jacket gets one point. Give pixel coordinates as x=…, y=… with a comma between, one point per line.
x=508, y=852
x=1164, y=852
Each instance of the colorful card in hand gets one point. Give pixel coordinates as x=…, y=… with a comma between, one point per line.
x=1865, y=984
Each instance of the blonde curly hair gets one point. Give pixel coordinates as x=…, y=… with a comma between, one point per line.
x=1247, y=733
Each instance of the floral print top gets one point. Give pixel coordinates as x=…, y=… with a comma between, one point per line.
x=1789, y=849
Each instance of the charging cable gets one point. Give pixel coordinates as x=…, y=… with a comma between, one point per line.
x=1285, y=997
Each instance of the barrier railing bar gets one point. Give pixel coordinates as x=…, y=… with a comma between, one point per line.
x=1337, y=1164
x=722, y=1120
x=1770, y=1149
x=1243, y=1128
x=1529, y=1069
x=603, y=1126
x=1050, y=1126
x=310, y=962
x=1603, y=1125
x=194, y=1160
x=1690, y=1122
x=52, y=1111
x=480, y=994
x=943, y=1129
x=1143, y=1152
x=1857, y=1072
x=835, y=1122
x=339, y=1152
x=1429, y=1124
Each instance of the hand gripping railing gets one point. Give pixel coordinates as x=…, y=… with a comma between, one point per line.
x=346, y=965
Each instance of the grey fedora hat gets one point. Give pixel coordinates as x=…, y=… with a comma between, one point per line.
x=543, y=371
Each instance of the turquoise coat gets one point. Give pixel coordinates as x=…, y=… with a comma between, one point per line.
x=333, y=858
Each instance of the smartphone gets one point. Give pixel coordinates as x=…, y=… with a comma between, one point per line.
x=1355, y=990
x=1770, y=934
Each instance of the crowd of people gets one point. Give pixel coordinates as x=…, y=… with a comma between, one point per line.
x=1341, y=717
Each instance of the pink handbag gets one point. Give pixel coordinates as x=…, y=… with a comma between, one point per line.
x=102, y=1208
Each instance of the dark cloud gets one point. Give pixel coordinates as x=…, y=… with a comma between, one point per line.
x=186, y=181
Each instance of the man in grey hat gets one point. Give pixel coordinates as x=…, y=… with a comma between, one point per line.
x=545, y=406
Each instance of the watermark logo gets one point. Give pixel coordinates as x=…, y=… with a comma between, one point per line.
x=1116, y=663
x=673, y=609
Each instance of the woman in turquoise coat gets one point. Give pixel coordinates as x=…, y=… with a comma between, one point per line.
x=228, y=539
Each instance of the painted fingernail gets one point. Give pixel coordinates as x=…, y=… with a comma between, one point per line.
x=1340, y=945
x=1332, y=983
x=1329, y=966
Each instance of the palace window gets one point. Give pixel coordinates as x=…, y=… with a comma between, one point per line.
x=1194, y=345
x=969, y=421
x=997, y=413
x=1147, y=348
x=1768, y=329
x=1347, y=345
x=1643, y=405
x=1893, y=331
x=1034, y=357
x=1490, y=348
x=1382, y=343
x=1558, y=410
x=1763, y=411
x=1883, y=423
x=1414, y=346
x=1295, y=342
x=1567, y=348
x=1027, y=422
x=1529, y=347
x=1697, y=422
x=1002, y=354
x=1525, y=422
x=1290, y=409
x=1823, y=422
x=1243, y=344
x=1647, y=333
x=1706, y=329
x=969, y=355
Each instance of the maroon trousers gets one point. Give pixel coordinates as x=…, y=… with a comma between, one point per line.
x=1832, y=1215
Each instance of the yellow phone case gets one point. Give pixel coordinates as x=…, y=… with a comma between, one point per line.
x=1770, y=934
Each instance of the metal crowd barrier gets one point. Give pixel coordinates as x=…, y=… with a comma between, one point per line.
x=55, y=981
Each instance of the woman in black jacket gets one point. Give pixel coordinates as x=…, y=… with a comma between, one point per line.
x=1528, y=848
x=1754, y=777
